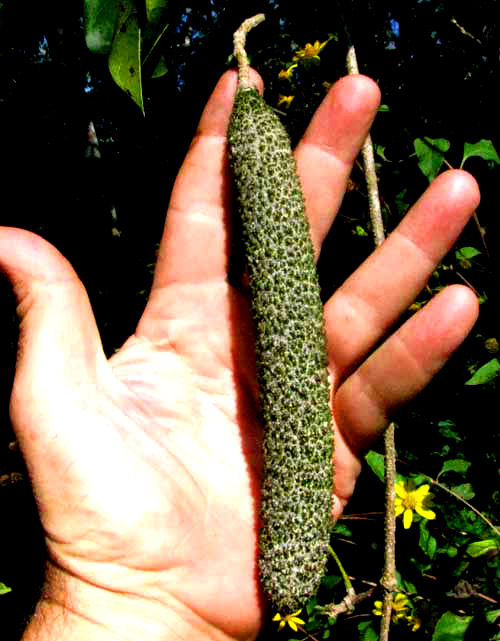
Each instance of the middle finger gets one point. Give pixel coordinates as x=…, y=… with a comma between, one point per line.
x=372, y=299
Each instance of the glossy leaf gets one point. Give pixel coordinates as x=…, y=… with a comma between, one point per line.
x=125, y=57
x=376, y=464
x=464, y=490
x=484, y=149
x=467, y=253
x=455, y=465
x=451, y=627
x=480, y=548
x=486, y=373
x=4, y=589
x=430, y=153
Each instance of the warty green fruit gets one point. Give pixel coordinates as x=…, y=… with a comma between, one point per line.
x=294, y=393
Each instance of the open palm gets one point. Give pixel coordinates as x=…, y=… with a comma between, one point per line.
x=146, y=467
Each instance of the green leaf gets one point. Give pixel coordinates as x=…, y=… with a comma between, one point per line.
x=4, y=589
x=484, y=149
x=125, y=57
x=401, y=202
x=376, y=464
x=341, y=529
x=480, y=548
x=467, y=253
x=360, y=231
x=100, y=19
x=427, y=542
x=161, y=68
x=445, y=429
x=486, y=373
x=368, y=633
x=464, y=490
x=153, y=39
x=155, y=9
x=455, y=465
x=430, y=153
x=492, y=616
x=380, y=151
x=405, y=586
x=451, y=627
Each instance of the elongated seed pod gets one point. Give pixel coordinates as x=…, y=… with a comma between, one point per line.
x=297, y=485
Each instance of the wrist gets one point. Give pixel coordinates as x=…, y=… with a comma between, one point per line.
x=71, y=609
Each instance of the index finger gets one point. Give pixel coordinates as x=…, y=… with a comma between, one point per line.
x=195, y=242
x=329, y=147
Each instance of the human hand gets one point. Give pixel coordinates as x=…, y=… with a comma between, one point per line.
x=146, y=467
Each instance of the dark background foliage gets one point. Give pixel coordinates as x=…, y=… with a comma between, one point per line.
x=438, y=68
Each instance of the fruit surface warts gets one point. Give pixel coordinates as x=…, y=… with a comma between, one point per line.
x=294, y=392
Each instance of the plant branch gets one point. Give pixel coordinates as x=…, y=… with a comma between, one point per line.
x=345, y=577
x=239, y=40
x=465, y=502
x=369, y=166
x=347, y=605
x=389, y=579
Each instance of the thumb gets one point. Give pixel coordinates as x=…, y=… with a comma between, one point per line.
x=59, y=346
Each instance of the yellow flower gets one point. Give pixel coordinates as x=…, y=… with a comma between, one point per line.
x=285, y=100
x=409, y=501
x=310, y=51
x=400, y=605
x=292, y=620
x=414, y=622
x=285, y=74
x=400, y=610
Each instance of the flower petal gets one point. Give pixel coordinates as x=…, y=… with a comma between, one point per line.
x=416, y=623
x=421, y=492
x=427, y=514
x=400, y=603
x=401, y=598
x=401, y=490
x=399, y=510
x=407, y=519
